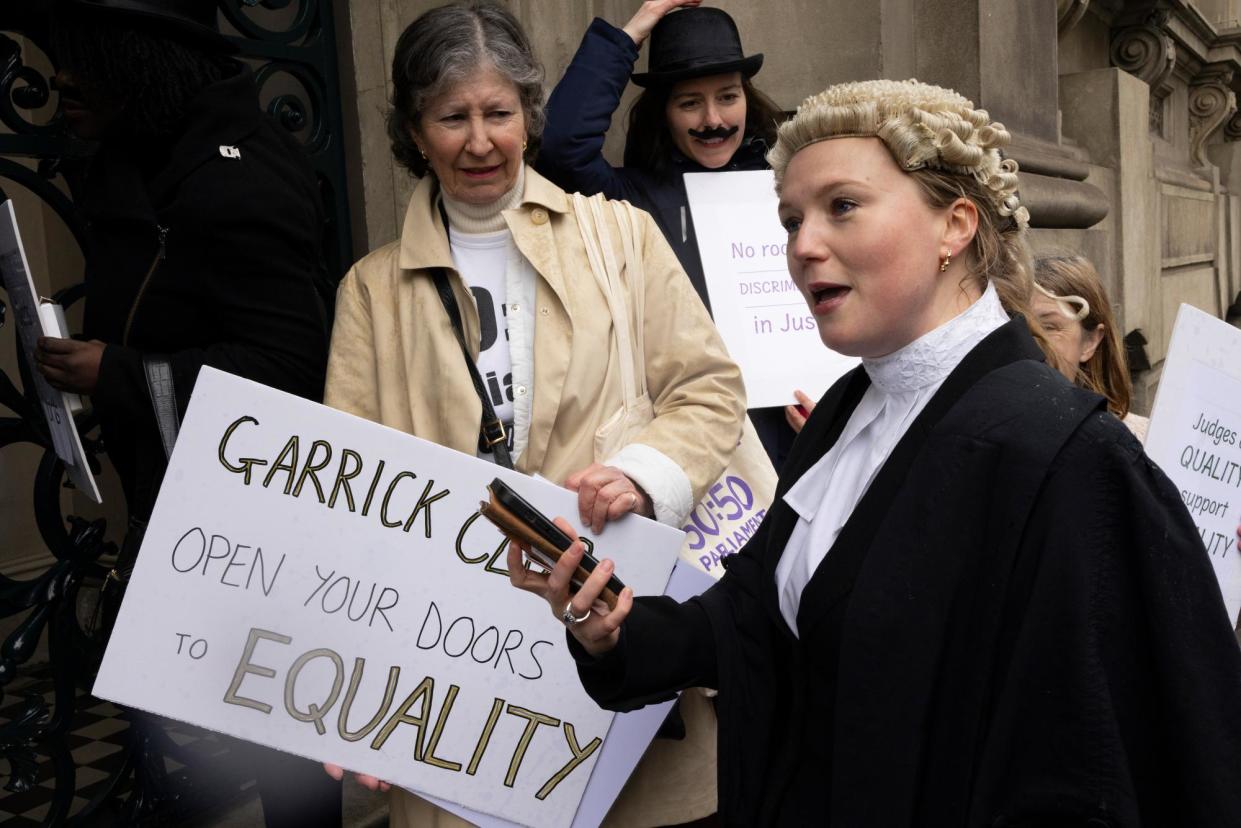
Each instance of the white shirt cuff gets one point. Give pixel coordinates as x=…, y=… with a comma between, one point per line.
x=664, y=482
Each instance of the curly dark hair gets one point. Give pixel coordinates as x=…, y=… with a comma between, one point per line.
x=649, y=144
x=149, y=76
x=447, y=44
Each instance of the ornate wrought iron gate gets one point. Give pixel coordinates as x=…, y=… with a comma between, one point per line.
x=291, y=45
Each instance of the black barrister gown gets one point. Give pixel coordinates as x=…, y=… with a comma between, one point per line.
x=1017, y=626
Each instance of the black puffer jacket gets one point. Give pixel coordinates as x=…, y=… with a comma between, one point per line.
x=204, y=249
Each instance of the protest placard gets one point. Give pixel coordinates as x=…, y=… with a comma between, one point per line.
x=1195, y=436
x=758, y=310
x=627, y=738
x=15, y=271
x=324, y=585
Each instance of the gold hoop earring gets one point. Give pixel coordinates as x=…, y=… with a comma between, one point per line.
x=524, y=144
x=947, y=260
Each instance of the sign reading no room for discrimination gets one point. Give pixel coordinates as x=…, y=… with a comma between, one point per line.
x=1195, y=436
x=324, y=585
x=758, y=309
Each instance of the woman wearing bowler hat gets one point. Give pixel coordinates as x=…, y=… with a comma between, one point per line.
x=699, y=112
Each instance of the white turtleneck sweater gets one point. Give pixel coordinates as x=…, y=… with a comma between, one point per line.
x=503, y=283
x=902, y=383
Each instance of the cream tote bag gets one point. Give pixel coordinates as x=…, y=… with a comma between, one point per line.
x=735, y=504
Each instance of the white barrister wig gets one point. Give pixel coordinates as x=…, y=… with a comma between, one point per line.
x=923, y=126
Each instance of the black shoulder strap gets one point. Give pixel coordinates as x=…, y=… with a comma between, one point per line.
x=491, y=437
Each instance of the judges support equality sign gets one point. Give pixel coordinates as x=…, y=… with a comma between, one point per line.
x=759, y=311
x=324, y=585
x=1195, y=436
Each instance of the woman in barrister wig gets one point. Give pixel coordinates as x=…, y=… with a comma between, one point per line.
x=492, y=277
x=699, y=112
x=975, y=602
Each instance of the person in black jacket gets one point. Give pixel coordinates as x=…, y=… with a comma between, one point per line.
x=699, y=112
x=203, y=222
x=975, y=601
x=203, y=248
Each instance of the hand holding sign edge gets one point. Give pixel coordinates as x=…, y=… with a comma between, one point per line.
x=371, y=783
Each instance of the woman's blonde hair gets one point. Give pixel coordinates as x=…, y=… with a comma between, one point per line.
x=952, y=150
x=1072, y=277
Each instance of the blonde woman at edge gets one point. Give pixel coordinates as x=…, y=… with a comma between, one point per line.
x=467, y=116
x=974, y=602
x=1072, y=306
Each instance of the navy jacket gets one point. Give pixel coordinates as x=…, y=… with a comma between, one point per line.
x=1017, y=626
x=579, y=113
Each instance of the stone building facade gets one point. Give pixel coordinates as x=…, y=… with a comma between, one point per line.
x=1123, y=114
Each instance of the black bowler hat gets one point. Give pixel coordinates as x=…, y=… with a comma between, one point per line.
x=192, y=20
x=695, y=42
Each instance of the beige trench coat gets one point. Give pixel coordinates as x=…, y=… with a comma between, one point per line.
x=395, y=360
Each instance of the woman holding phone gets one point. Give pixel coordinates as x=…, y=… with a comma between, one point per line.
x=975, y=601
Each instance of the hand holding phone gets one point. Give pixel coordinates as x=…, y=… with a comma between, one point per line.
x=521, y=522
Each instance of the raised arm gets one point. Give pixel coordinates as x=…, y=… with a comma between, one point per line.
x=580, y=109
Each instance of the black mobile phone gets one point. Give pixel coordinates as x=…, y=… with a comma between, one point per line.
x=543, y=526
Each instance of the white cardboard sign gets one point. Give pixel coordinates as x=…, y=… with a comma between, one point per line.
x=15, y=270
x=1195, y=436
x=758, y=310
x=322, y=584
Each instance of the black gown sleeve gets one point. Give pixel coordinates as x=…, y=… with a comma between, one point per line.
x=666, y=646
x=1122, y=700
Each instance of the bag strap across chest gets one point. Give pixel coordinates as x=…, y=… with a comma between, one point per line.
x=591, y=215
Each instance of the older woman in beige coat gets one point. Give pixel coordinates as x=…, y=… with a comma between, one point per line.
x=467, y=113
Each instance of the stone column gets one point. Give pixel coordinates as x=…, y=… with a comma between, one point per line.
x=1187, y=56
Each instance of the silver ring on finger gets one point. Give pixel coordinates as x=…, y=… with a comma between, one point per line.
x=569, y=618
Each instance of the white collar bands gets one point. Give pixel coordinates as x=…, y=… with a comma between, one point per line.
x=932, y=357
